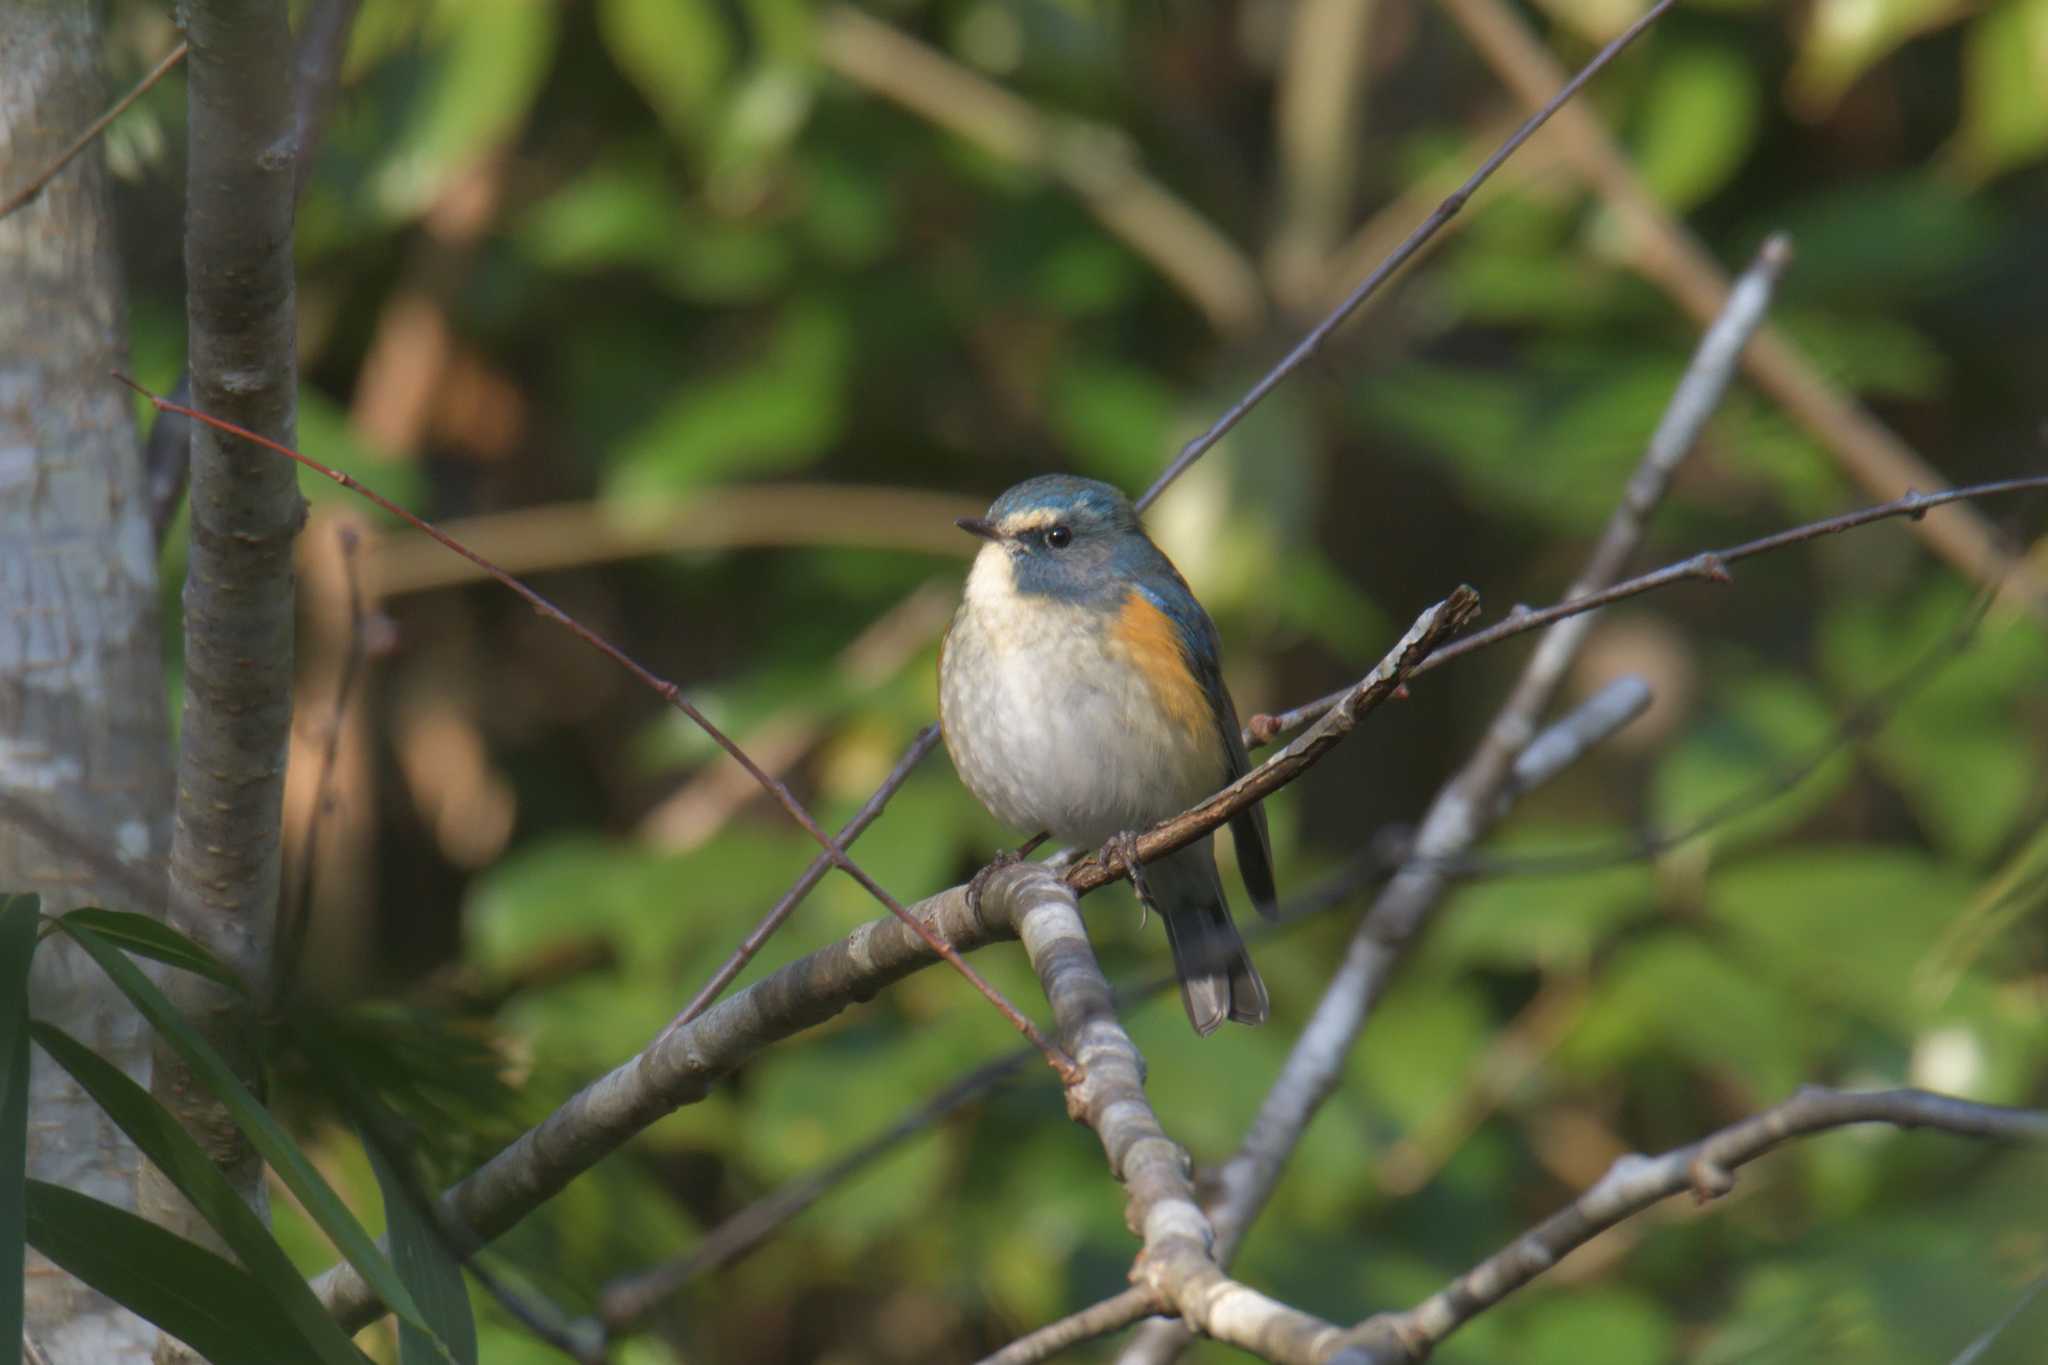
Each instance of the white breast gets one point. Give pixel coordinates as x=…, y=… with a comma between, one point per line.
x=1049, y=722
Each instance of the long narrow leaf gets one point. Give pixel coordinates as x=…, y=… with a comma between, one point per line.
x=153, y=938
x=252, y=1118
x=18, y=918
x=164, y=1141
x=423, y=1261
x=208, y=1303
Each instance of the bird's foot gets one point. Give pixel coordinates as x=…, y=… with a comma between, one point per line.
x=1123, y=849
x=1006, y=857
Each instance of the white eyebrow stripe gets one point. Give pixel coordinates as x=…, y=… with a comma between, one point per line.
x=1032, y=520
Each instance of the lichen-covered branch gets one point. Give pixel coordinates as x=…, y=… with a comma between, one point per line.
x=1462, y=812
x=1705, y=1168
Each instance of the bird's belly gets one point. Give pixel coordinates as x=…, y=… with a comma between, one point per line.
x=1052, y=727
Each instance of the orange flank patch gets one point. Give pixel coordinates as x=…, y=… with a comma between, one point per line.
x=1153, y=642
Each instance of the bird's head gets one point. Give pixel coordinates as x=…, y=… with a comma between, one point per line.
x=1065, y=537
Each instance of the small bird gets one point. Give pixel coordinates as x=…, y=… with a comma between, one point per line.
x=1080, y=693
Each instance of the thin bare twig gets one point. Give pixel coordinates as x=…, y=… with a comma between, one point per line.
x=757, y=938
x=1307, y=348
x=1430, y=630
x=1112, y=1314
x=1703, y=1169
x=1974, y=1352
x=1710, y=566
x=1864, y=719
x=99, y=125
x=1660, y=249
x=630, y=1298
x=1465, y=808
x=662, y=688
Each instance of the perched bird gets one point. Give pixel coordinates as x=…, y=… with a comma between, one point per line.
x=1080, y=693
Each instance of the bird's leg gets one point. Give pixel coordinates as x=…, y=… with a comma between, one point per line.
x=1005, y=857
x=1123, y=848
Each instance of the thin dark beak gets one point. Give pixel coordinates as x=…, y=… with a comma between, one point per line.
x=978, y=526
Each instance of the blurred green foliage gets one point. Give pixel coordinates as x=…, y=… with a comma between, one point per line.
x=622, y=254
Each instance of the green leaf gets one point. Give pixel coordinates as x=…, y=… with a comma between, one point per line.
x=19, y=917
x=677, y=53
x=2005, y=69
x=1844, y=925
x=488, y=65
x=1845, y=38
x=1700, y=123
x=1948, y=745
x=269, y=1138
x=165, y=1142
x=1114, y=415
x=152, y=938
x=422, y=1259
x=780, y=412
x=1764, y=762
x=1672, y=993
x=210, y=1304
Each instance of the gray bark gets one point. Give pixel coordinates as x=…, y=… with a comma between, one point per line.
x=84, y=765
x=244, y=510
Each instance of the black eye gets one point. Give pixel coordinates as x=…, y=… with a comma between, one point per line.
x=1059, y=537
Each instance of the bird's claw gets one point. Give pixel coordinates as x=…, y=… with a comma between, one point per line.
x=1006, y=857
x=1123, y=849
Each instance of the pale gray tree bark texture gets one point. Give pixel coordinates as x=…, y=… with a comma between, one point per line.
x=84, y=755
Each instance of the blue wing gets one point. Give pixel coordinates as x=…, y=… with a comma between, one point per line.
x=1162, y=584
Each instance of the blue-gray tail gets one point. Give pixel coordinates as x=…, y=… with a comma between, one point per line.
x=1217, y=979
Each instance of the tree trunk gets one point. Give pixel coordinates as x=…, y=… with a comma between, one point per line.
x=85, y=777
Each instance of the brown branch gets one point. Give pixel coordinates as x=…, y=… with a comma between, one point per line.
x=1703, y=1169
x=36, y=182
x=1660, y=249
x=662, y=688
x=569, y=535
